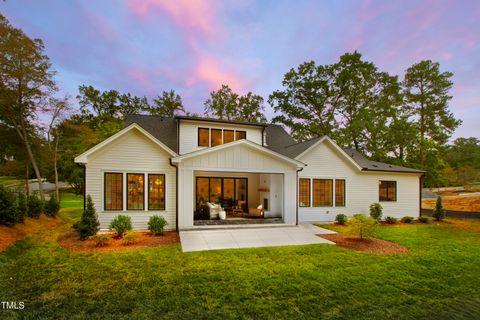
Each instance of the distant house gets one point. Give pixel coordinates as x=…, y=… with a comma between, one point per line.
x=191, y=170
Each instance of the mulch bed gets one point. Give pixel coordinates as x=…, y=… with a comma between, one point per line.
x=10, y=235
x=371, y=245
x=70, y=240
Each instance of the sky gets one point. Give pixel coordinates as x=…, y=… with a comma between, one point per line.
x=194, y=46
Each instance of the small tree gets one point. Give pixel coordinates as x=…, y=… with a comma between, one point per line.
x=52, y=206
x=376, y=211
x=439, y=213
x=89, y=224
x=361, y=226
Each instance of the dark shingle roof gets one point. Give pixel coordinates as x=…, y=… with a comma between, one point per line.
x=195, y=118
x=277, y=139
x=164, y=129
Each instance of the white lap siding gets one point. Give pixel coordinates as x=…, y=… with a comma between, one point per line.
x=131, y=153
x=362, y=187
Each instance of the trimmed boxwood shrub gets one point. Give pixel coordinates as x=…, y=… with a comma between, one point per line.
x=390, y=220
x=88, y=225
x=35, y=206
x=423, y=219
x=376, y=211
x=121, y=224
x=9, y=214
x=156, y=225
x=341, y=218
x=407, y=219
x=52, y=206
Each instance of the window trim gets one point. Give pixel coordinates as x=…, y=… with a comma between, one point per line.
x=331, y=196
x=198, y=137
x=396, y=190
x=164, y=191
x=309, y=192
x=105, y=190
x=126, y=190
x=344, y=192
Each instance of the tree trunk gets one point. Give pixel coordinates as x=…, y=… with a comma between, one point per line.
x=24, y=137
x=27, y=183
x=57, y=191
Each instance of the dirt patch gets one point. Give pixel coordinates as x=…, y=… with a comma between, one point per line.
x=467, y=203
x=371, y=245
x=71, y=241
x=10, y=235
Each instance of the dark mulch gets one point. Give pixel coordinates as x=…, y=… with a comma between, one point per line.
x=71, y=241
x=371, y=245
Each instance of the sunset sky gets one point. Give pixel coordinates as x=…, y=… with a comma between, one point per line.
x=146, y=46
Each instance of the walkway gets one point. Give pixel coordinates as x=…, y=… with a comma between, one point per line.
x=201, y=240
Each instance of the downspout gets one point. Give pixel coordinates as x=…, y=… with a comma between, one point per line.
x=296, y=200
x=176, y=194
x=420, y=187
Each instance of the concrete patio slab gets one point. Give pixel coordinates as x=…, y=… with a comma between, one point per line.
x=201, y=240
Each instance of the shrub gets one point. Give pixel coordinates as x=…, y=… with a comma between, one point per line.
x=35, y=206
x=156, y=225
x=121, y=224
x=52, y=206
x=101, y=240
x=361, y=225
x=376, y=211
x=129, y=238
x=423, y=219
x=22, y=206
x=9, y=214
x=341, y=218
x=88, y=225
x=438, y=212
x=407, y=219
x=390, y=220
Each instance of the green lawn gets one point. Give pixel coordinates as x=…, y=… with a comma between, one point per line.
x=9, y=181
x=437, y=279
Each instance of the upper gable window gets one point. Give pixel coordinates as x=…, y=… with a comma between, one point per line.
x=228, y=136
x=211, y=137
x=215, y=137
x=241, y=135
x=203, y=137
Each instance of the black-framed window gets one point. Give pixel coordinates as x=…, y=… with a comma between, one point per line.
x=304, y=192
x=228, y=136
x=203, y=137
x=387, y=190
x=322, y=192
x=340, y=192
x=156, y=192
x=239, y=135
x=135, y=191
x=113, y=191
x=215, y=137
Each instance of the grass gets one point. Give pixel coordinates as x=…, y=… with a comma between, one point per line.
x=9, y=181
x=437, y=279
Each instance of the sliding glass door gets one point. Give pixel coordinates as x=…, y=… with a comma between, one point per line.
x=229, y=192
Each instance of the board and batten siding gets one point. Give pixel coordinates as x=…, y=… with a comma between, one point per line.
x=131, y=153
x=362, y=187
x=188, y=133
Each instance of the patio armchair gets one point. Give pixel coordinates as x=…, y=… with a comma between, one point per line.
x=257, y=212
x=214, y=210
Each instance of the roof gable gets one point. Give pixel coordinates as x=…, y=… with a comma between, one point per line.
x=83, y=158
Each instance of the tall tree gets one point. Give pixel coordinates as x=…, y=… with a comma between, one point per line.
x=167, y=105
x=227, y=105
x=26, y=78
x=222, y=104
x=427, y=95
x=308, y=103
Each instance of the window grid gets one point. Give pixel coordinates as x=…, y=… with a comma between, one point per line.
x=156, y=192
x=135, y=191
x=322, y=192
x=304, y=192
x=113, y=193
x=387, y=190
x=339, y=192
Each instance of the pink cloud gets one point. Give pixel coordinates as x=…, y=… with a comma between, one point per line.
x=193, y=16
x=141, y=76
x=209, y=70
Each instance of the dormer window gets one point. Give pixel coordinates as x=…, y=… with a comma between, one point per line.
x=211, y=137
